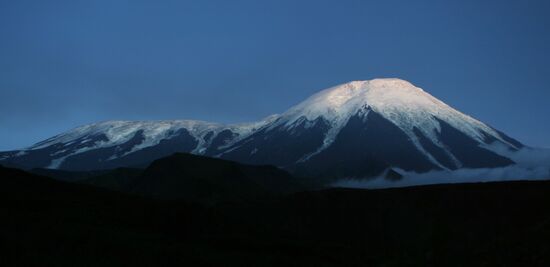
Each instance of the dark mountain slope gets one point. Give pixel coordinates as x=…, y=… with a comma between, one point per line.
x=365, y=147
x=280, y=146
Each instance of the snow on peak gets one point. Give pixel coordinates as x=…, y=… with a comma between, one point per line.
x=392, y=83
x=347, y=99
x=342, y=101
x=399, y=101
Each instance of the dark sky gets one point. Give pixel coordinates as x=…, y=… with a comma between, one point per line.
x=68, y=63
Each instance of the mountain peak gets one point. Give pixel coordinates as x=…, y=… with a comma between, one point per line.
x=348, y=98
x=391, y=89
x=389, y=83
x=394, y=83
x=400, y=102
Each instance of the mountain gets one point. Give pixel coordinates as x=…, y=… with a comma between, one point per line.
x=357, y=129
x=364, y=127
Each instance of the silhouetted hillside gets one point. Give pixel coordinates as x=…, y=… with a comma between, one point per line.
x=68, y=176
x=186, y=176
x=52, y=223
x=189, y=177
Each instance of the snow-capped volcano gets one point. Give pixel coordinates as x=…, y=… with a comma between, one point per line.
x=360, y=128
x=405, y=105
x=397, y=100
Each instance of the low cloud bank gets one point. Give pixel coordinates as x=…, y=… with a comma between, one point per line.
x=532, y=164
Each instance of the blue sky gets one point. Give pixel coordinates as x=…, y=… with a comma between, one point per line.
x=68, y=63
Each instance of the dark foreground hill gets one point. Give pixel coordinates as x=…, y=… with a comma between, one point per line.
x=52, y=223
x=189, y=177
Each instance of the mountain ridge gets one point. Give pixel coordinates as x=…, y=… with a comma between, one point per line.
x=429, y=133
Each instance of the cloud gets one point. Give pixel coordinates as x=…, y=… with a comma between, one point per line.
x=531, y=164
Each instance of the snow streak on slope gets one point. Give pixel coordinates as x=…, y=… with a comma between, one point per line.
x=399, y=101
x=118, y=132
